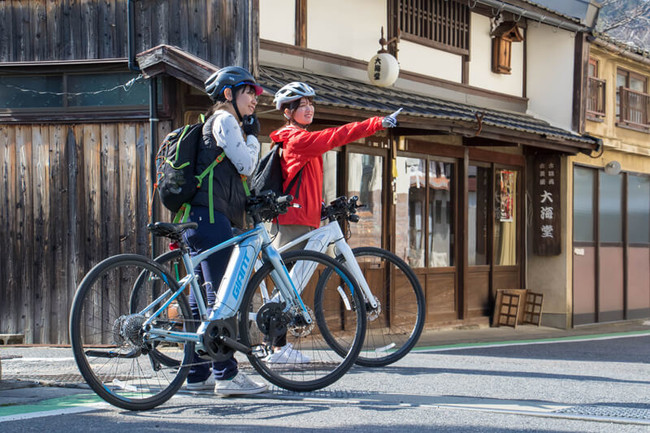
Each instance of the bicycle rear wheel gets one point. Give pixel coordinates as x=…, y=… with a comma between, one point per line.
x=111, y=349
x=337, y=307
x=394, y=327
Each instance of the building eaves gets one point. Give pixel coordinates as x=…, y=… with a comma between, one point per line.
x=421, y=113
x=607, y=41
x=417, y=109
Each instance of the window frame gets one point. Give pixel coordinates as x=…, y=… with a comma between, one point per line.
x=84, y=113
x=598, y=87
x=458, y=33
x=621, y=91
x=427, y=208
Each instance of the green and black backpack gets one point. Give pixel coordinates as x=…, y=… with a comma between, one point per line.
x=176, y=179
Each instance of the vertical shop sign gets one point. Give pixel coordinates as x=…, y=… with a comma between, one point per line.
x=547, y=213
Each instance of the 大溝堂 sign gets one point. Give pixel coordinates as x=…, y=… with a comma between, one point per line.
x=547, y=205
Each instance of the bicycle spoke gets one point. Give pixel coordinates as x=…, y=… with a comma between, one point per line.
x=109, y=343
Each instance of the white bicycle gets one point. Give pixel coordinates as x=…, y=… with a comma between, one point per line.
x=394, y=299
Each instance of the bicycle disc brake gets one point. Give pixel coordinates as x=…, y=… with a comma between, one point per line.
x=213, y=339
x=271, y=320
x=373, y=313
x=299, y=327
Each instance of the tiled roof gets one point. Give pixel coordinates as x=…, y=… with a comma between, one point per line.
x=343, y=93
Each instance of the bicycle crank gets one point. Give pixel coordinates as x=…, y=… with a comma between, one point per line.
x=220, y=340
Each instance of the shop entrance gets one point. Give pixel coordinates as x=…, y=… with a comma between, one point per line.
x=454, y=218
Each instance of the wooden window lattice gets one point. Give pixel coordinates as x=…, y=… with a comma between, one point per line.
x=634, y=107
x=596, y=96
x=439, y=23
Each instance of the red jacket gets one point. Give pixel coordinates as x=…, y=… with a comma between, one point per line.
x=305, y=149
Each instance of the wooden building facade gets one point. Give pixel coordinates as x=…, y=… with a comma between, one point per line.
x=76, y=127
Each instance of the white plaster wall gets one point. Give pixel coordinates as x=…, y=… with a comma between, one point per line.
x=347, y=28
x=429, y=61
x=549, y=85
x=277, y=20
x=480, y=67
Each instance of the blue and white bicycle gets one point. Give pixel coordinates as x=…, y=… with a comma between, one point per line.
x=133, y=335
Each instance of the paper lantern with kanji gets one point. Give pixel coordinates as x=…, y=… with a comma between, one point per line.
x=383, y=69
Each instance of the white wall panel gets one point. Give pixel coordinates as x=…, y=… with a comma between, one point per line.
x=347, y=28
x=550, y=74
x=480, y=68
x=278, y=20
x=429, y=61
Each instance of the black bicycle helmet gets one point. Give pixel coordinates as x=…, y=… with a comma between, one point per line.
x=230, y=76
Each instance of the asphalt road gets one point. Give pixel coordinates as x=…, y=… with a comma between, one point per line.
x=595, y=385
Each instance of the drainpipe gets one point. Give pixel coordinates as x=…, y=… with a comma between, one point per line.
x=153, y=111
x=153, y=133
x=534, y=16
x=131, y=36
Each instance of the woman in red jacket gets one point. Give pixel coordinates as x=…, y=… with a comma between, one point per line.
x=302, y=152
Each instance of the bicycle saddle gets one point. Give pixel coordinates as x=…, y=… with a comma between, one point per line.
x=171, y=230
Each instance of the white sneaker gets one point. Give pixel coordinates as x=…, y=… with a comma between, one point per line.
x=201, y=386
x=287, y=355
x=239, y=385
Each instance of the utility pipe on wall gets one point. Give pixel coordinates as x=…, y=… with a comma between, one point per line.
x=153, y=111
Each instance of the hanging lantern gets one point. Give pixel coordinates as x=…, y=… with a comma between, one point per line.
x=383, y=67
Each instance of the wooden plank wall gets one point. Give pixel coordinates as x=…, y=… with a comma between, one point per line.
x=215, y=30
x=70, y=196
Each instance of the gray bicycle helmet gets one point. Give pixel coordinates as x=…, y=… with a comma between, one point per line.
x=292, y=92
x=230, y=76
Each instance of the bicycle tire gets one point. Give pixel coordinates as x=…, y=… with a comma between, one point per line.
x=342, y=310
x=394, y=328
x=170, y=261
x=109, y=346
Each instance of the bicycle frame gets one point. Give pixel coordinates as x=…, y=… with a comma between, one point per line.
x=320, y=239
x=246, y=249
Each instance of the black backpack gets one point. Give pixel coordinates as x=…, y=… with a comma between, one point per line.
x=177, y=181
x=268, y=175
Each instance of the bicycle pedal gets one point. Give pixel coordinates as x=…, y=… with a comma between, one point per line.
x=260, y=351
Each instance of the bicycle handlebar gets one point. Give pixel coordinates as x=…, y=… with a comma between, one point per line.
x=266, y=206
x=342, y=207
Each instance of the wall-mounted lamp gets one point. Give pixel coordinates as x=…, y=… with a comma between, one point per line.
x=502, y=38
x=613, y=168
x=383, y=68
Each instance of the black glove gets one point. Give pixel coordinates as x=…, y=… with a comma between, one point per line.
x=251, y=125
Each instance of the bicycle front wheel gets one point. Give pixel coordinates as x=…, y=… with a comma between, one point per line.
x=112, y=350
x=395, y=325
x=289, y=351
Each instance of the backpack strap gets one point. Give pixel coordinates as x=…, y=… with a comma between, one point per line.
x=297, y=178
x=183, y=213
x=210, y=172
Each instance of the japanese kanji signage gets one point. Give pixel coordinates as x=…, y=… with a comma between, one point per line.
x=547, y=213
